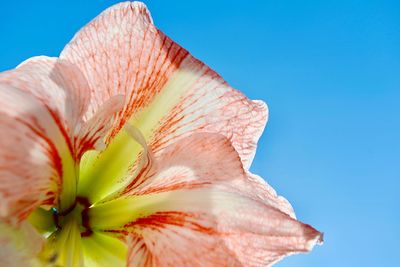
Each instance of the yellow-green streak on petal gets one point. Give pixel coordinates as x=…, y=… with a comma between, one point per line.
x=103, y=250
x=104, y=172
x=101, y=172
x=115, y=214
x=68, y=245
x=42, y=220
x=69, y=179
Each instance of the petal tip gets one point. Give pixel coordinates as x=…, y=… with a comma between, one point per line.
x=136, y=7
x=263, y=108
x=318, y=239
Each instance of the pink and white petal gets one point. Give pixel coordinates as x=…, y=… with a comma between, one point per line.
x=204, y=102
x=257, y=188
x=177, y=239
x=58, y=85
x=20, y=246
x=201, y=197
x=169, y=93
x=214, y=160
x=92, y=134
x=62, y=88
x=34, y=157
x=121, y=53
x=62, y=95
x=221, y=229
x=193, y=161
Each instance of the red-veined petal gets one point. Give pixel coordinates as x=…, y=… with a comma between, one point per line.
x=201, y=197
x=206, y=148
x=91, y=135
x=61, y=87
x=42, y=101
x=169, y=94
x=244, y=235
x=58, y=85
x=109, y=52
x=30, y=164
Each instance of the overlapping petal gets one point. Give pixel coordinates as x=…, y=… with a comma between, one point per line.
x=44, y=133
x=176, y=176
x=92, y=133
x=240, y=237
x=200, y=196
x=44, y=100
x=58, y=85
x=33, y=155
x=169, y=93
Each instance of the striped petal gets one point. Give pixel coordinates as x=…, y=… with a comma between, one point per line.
x=57, y=85
x=92, y=133
x=169, y=94
x=202, y=198
x=41, y=102
x=33, y=155
x=111, y=53
x=180, y=238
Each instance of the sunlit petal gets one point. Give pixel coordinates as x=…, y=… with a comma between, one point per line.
x=56, y=84
x=169, y=94
x=68, y=246
x=100, y=179
x=92, y=133
x=127, y=150
x=202, y=198
x=34, y=156
x=101, y=249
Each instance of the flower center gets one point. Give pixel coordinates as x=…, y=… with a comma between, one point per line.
x=78, y=212
x=83, y=220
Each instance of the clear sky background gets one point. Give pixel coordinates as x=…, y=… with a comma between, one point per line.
x=330, y=73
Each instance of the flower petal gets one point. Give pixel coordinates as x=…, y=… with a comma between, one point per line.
x=31, y=166
x=100, y=181
x=223, y=238
x=196, y=99
x=93, y=132
x=103, y=250
x=40, y=103
x=210, y=150
x=58, y=85
x=43, y=221
x=169, y=94
x=201, y=197
x=109, y=50
x=65, y=246
x=19, y=246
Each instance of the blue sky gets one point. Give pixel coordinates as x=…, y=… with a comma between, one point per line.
x=329, y=71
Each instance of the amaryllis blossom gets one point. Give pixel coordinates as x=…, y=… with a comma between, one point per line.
x=126, y=150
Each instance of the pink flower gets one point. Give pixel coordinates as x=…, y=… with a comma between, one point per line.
x=126, y=150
